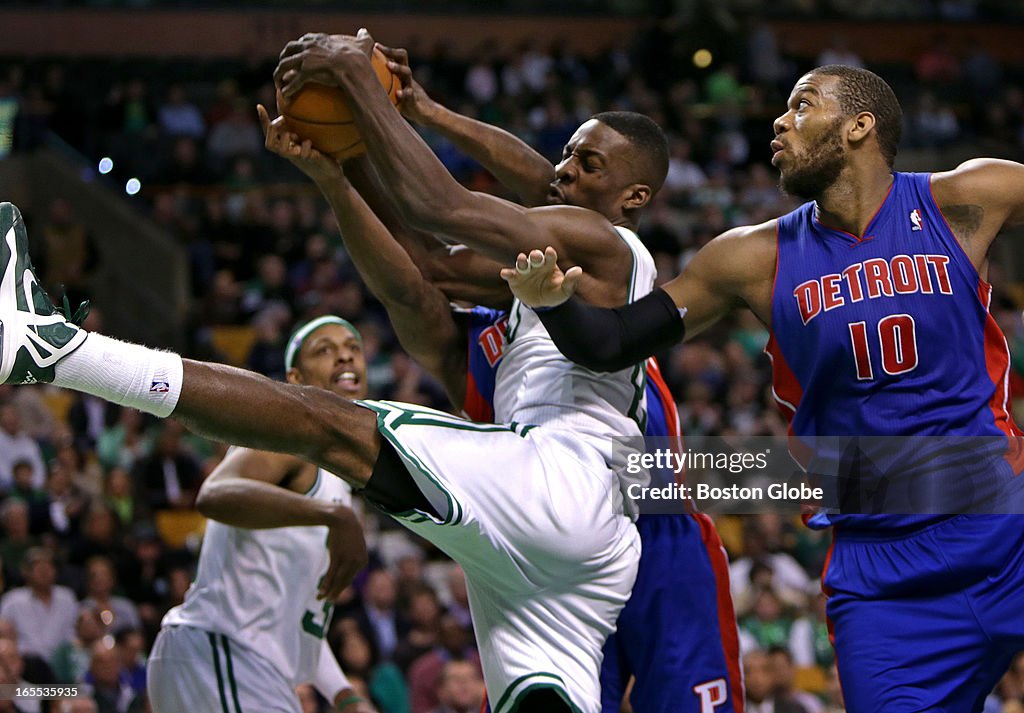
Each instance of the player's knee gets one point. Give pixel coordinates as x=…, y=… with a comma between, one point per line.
x=544, y=700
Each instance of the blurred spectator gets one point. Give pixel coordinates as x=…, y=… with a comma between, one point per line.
x=43, y=612
x=35, y=668
x=36, y=417
x=184, y=165
x=100, y=536
x=809, y=639
x=455, y=644
x=111, y=685
x=15, y=669
x=458, y=604
x=119, y=496
x=933, y=124
x=18, y=540
x=937, y=65
x=383, y=680
x=378, y=618
x=461, y=689
x=89, y=416
x=71, y=659
x=125, y=442
x=180, y=117
x=131, y=645
x=70, y=257
x=778, y=569
x=117, y=613
x=768, y=625
x=839, y=52
x=17, y=445
x=65, y=499
x=237, y=135
x=423, y=613
x=759, y=681
x=169, y=477
x=785, y=675
x=36, y=499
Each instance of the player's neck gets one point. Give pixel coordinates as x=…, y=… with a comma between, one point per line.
x=854, y=198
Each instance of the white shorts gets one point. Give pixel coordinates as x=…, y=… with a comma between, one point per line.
x=193, y=671
x=537, y=523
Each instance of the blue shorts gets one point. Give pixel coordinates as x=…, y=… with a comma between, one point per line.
x=677, y=633
x=929, y=621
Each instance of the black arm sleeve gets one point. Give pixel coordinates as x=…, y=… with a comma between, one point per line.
x=603, y=339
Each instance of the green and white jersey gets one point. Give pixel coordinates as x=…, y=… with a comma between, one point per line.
x=258, y=588
x=537, y=385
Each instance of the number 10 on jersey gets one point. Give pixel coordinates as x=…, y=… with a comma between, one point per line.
x=897, y=340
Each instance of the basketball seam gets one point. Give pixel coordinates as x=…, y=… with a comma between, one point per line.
x=319, y=123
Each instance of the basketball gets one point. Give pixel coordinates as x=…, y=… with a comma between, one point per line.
x=320, y=113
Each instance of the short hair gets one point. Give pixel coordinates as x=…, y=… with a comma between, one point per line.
x=646, y=137
x=863, y=90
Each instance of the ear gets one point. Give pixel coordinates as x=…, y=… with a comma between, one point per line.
x=294, y=376
x=638, y=196
x=861, y=127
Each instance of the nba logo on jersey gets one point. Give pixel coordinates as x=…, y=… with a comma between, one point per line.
x=916, y=222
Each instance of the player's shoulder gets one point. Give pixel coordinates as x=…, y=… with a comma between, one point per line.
x=571, y=218
x=977, y=178
x=746, y=243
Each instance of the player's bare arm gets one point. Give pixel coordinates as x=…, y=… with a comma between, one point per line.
x=430, y=199
x=461, y=273
x=515, y=164
x=419, y=312
x=735, y=269
x=259, y=490
x=978, y=199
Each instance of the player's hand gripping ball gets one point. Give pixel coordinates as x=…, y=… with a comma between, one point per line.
x=321, y=113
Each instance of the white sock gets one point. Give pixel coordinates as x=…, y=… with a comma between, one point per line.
x=126, y=374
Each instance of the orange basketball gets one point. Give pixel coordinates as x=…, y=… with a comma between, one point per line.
x=321, y=114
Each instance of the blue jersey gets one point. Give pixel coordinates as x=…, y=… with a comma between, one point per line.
x=886, y=335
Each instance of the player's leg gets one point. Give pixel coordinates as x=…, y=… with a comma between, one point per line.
x=615, y=668
x=194, y=670
x=998, y=601
x=907, y=615
x=37, y=344
x=549, y=558
x=682, y=662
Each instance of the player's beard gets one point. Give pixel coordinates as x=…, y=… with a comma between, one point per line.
x=818, y=167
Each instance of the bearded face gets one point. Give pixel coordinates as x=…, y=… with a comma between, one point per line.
x=809, y=170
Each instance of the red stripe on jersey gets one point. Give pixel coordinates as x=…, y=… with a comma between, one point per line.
x=475, y=406
x=785, y=388
x=726, y=614
x=997, y=362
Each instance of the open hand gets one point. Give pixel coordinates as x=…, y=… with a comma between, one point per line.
x=278, y=139
x=537, y=280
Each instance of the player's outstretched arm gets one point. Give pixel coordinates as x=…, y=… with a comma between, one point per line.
x=978, y=199
x=419, y=312
x=244, y=491
x=461, y=273
x=724, y=274
x=509, y=159
x=429, y=198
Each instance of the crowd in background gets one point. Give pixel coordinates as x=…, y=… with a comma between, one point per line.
x=87, y=486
